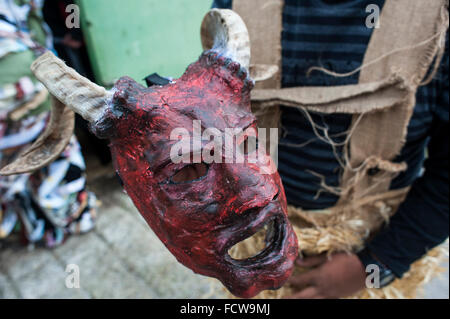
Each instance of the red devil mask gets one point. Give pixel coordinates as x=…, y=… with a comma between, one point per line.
x=198, y=210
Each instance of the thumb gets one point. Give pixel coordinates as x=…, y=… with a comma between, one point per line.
x=311, y=261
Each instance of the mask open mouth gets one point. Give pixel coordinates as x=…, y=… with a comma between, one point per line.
x=261, y=255
x=257, y=247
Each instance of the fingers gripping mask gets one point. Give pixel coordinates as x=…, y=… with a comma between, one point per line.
x=198, y=207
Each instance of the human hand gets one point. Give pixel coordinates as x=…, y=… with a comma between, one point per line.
x=335, y=276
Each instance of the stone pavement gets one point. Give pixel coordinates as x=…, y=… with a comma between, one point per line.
x=121, y=258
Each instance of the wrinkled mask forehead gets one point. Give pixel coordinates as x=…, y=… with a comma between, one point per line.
x=212, y=93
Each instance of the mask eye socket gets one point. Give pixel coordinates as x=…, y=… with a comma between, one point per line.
x=248, y=145
x=190, y=173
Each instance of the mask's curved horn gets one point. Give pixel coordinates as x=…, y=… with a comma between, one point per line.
x=223, y=30
x=73, y=90
x=49, y=145
x=67, y=88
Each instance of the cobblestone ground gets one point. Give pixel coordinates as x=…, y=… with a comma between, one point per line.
x=121, y=258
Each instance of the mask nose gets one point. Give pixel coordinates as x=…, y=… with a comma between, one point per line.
x=252, y=188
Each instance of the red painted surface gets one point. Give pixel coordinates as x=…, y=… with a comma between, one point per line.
x=200, y=220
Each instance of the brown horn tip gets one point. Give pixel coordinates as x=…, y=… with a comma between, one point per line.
x=48, y=146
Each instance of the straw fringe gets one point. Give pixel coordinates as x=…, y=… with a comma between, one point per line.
x=409, y=287
x=347, y=230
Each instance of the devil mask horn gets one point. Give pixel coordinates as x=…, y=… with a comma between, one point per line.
x=70, y=92
x=201, y=210
x=222, y=30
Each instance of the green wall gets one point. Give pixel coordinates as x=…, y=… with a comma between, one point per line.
x=139, y=37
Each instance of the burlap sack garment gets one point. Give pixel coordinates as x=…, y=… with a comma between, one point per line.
x=409, y=41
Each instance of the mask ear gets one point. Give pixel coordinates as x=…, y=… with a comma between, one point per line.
x=126, y=91
x=123, y=103
x=49, y=145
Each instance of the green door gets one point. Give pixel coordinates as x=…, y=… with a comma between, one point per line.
x=139, y=37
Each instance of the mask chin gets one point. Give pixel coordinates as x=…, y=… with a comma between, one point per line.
x=261, y=257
